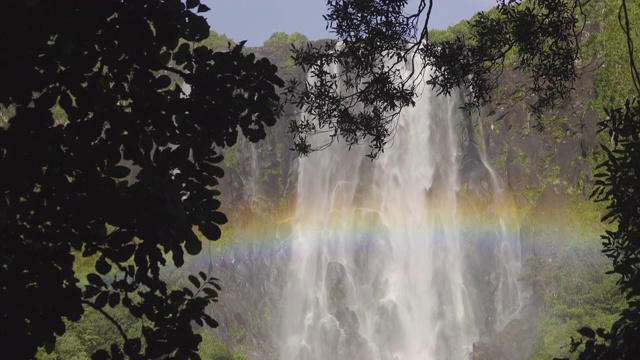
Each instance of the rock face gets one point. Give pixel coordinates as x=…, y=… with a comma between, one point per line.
x=541, y=169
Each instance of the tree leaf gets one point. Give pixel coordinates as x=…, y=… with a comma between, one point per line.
x=210, y=321
x=95, y=279
x=210, y=230
x=193, y=246
x=210, y=293
x=102, y=266
x=124, y=253
x=102, y=299
x=194, y=280
x=114, y=299
x=587, y=332
x=132, y=346
x=192, y=3
x=219, y=218
x=100, y=355
x=118, y=171
x=163, y=81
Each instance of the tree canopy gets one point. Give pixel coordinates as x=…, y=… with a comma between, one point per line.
x=282, y=38
x=116, y=118
x=359, y=83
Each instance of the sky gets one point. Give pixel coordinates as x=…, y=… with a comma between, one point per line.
x=256, y=20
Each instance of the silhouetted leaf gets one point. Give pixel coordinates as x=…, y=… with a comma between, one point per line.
x=188, y=292
x=219, y=218
x=587, y=332
x=100, y=355
x=194, y=281
x=124, y=253
x=102, y=266
x=192, y=3
x=210, y=230
x=118, y=172
x=132, y=346
x=102, y=299
x=210, y=292
x=210, y=321
x=95, y=279
x=193, y=246
x=163, y=81
x=114, y=299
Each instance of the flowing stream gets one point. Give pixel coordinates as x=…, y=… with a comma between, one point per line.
x=397, y=258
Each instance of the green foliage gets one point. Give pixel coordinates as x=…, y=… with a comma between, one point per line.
x=216, y=41
x=609, y=48
x=572, y=279
x=281, y=38
x=212, y=348
x=459, y=30
x=126, y=178
x=230, y=157
x=362, y=100
x=92, y=333
x=239, y=356
x=6, y=113
x=576, y=289
x=558, y=126
x=616, y=185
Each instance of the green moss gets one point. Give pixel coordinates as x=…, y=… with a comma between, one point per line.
x=337, y=294
x=522, y=159
x=238, y=335
x=230, y=156
x=212, y=348
x=239, y=356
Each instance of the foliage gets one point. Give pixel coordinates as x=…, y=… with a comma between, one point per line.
x=92, y=333
x=128, y=175
x=213, y=349
x=576, y=290
x=216, y=41
x=281, y=38
x=460, y=29
x=617, y=186
x=358, y=85
x=609, y=47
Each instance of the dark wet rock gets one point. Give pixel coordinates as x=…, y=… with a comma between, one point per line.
x=335, y=284
x=514, y=342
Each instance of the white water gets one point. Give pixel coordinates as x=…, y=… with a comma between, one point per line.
x=380, y=264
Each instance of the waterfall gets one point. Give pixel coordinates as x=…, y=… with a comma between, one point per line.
x=387, y=261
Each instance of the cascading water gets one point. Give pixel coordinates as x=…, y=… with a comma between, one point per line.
x=384, y=264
